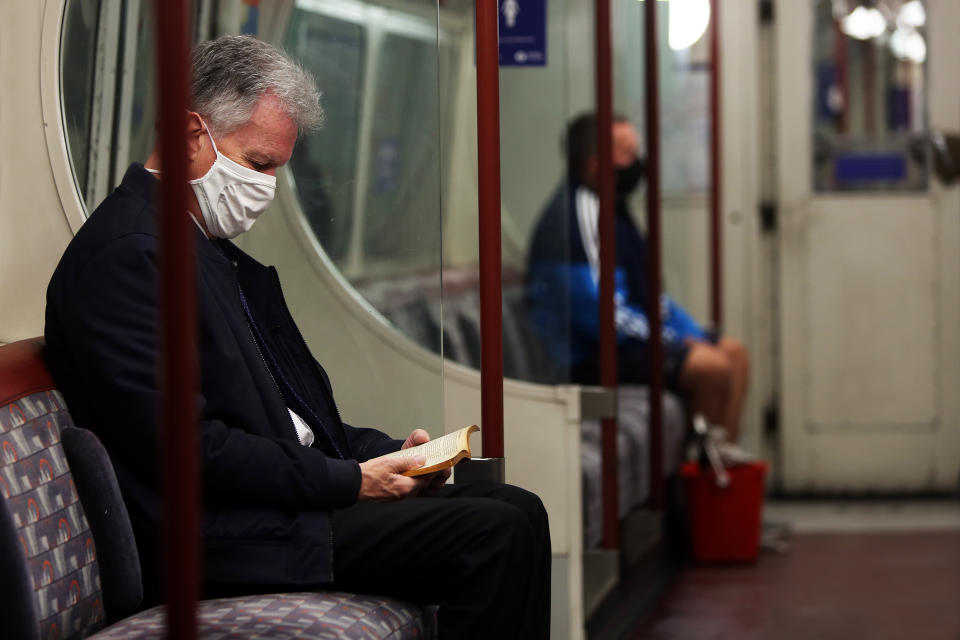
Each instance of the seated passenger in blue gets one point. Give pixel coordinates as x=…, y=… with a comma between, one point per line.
x=562, y=289
x=293, y=497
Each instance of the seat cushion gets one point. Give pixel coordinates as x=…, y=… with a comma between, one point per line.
x=44, y=528
x=278, y=616
x=99, y=493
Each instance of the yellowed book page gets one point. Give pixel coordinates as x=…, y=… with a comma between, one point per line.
x=440, y=453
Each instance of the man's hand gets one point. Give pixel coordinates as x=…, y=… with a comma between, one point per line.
x=381, y=479
x=433, y=481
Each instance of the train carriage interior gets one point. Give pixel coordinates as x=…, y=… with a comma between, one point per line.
x=796, y=190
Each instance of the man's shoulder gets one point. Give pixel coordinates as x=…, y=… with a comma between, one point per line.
x=555, y=236
x=124, y=221
x=130, y=209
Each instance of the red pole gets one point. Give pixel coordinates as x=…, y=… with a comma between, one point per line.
x=716, y=215
x=177, y=310
x=608, y=257
x=488, y=151
x=653, y=238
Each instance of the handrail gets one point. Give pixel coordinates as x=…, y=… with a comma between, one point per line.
x=491, y=293
x=716, y=184
x=177, y=312
x=653, y=239
x=606, y=232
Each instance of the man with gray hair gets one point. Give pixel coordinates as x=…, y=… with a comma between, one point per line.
x=293, y=498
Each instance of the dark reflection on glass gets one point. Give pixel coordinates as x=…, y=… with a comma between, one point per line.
x=401, y=199
x=324, y=165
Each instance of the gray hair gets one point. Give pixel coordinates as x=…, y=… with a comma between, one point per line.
x=232, y=72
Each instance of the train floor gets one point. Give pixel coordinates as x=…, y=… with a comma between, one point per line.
x=851, y=570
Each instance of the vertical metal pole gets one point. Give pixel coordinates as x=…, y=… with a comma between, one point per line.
x=178, y=374
x=608, y=257
x=488, y=151
x=653, y=239
x=716, y=185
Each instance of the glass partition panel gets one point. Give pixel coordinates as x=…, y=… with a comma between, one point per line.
x=325, y=168
x=870, y=111
x=684, y=70
x=534, y=114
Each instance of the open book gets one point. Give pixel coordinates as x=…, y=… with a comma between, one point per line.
x=441, y=453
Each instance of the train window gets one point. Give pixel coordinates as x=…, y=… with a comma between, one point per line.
x=369, y=186
x=107, y=81
x=870, y=111
x=79, y=41
x=368, y=183
x=106, y=76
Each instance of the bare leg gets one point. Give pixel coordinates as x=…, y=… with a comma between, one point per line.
x=707, y=379
x=740, y=364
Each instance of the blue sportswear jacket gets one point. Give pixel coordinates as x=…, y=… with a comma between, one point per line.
x=562, y=286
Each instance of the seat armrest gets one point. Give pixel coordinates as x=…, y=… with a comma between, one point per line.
x=598, y=402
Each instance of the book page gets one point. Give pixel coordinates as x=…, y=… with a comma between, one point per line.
x=440, y=450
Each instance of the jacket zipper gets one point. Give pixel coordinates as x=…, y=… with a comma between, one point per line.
x=303, y=343
x=263, y=360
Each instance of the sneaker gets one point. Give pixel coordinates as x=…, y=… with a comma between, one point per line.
x=732, y=455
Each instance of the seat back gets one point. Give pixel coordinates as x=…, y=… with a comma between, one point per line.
x=53, y=585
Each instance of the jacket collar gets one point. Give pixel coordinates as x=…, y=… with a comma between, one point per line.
x=146, y=186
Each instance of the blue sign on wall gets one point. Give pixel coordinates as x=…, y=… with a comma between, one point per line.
x=870, y=167
x=523, y=33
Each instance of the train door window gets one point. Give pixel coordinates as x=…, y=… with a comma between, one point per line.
x=870, y=114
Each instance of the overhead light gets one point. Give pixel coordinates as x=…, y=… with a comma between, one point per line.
x=912, y=14
x=688, y=22
x=864, y=23
x=908, y=44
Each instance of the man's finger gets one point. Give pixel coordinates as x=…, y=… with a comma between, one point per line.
x=417, y=436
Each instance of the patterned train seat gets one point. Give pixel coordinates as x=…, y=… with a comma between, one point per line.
x=57, y=582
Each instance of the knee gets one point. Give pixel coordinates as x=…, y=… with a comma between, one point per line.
x=719, y=378
x=505, y=532
x=736, y=351
x=709, y=370
x=529, y=504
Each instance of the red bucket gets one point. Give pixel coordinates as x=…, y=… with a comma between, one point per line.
x=725, y=523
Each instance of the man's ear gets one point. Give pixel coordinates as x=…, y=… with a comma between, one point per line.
x=196, y=135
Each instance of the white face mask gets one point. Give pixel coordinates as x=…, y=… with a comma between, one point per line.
x=232, y=196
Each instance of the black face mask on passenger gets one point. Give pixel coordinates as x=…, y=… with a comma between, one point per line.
x=628, y=177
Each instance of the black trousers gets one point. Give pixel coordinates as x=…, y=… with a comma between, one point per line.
x=479, y=551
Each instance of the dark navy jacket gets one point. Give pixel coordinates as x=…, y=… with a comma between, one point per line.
x=266, y=497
